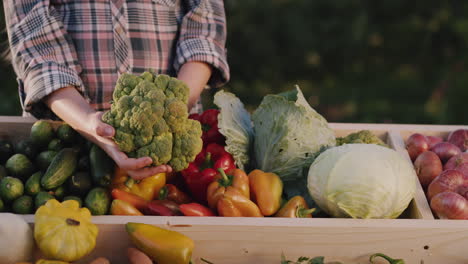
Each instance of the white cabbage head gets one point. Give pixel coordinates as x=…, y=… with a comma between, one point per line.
x=362, y=181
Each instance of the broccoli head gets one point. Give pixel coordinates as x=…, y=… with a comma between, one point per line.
x=150, y=117
x=360, y=137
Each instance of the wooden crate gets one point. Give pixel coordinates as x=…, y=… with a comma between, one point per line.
x=415, y=237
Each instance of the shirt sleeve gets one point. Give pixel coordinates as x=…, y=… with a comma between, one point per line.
x=43, y=55
x=203, y=38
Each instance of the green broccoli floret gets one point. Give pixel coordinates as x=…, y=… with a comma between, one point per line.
x=150, y=117
x=363, y=137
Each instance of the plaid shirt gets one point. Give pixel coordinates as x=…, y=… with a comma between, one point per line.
x=88, y=43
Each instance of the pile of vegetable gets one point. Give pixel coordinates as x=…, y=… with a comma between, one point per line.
x=281, y=161
x=286, y=137
x=442, y=168
x=55, y=162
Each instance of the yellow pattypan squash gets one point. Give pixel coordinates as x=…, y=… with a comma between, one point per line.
x=63, y=231
x=43, y=261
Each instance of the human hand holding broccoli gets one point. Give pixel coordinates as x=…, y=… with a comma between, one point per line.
x=137, y=168
x=147, y=130
x=71, y=107
x=150, y=116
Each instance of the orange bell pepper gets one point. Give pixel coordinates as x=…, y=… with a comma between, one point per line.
x=120, y=207
x=266, y=190
x=237, y=179
x=136, y=201
x=148, y=188
x=234, y=204
x=296, y=207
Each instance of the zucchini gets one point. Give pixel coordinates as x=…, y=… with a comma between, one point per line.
x=101, y=166
x=62, y=167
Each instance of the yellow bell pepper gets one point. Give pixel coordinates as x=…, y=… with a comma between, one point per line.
x=148, y=188
x=266, y=189
x=162, y=245
x=63, y=231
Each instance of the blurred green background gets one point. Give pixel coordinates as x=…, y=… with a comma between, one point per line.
x=392, y=61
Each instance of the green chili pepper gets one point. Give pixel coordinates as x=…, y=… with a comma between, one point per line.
x=389, y=259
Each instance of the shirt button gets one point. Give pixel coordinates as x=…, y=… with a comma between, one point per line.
x=119, y=30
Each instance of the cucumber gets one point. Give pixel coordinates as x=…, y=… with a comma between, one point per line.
x=44, y=159
x=23, y=205
x=55, y=145
x=62, y=167
x=19, y=166
x=83, y=163
x=67, y=134
x=6, y=150
x=79, y=184
x=27, y=147
x=41, y=133
x=10, y=189
x=42, y=198
x=3, y=172
x=98, y=201
x=33, y=184
x=58, y=192
x=101, y=166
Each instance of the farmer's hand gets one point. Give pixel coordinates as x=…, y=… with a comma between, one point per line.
x=136, y=168
x=135, y=256
x=71, y=107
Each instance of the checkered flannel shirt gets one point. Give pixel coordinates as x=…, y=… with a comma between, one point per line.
x=88, y=43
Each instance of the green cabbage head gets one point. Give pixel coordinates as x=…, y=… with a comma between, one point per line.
x=362, y=181
x=288, y=134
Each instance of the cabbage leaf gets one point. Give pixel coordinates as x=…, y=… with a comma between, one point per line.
x=236, y=126
x=287, y=134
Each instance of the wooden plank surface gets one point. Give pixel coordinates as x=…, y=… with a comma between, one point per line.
x=257, y=240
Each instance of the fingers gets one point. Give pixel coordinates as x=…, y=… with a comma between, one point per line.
x=138, y=168
x=100, y=261
x=103, y=129
x=130, y=164
x=149, y=171
x=137, y=257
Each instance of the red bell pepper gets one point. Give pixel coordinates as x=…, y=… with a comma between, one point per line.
x=162, y=208
x=172, y=193
x=195, y=209
x=203, y=170
x=209, y=122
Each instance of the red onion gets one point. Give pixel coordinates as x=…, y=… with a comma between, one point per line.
x=450, y=205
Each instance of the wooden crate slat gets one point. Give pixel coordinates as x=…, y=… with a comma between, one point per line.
x=257, y=240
